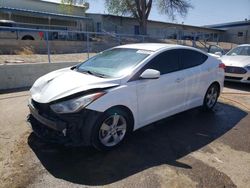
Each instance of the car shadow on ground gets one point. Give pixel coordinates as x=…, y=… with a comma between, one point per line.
x=160, y=143
x=238, y=86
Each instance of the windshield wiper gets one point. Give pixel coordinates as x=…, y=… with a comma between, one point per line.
x=93, y=73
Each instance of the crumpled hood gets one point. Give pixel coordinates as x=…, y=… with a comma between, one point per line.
x=65, y=82
x=238, y=60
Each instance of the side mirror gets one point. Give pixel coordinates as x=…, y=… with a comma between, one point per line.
x=150, y=74
x=218, y=54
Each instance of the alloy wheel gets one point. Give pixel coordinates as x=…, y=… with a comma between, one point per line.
x=211, y=97
x=112, y=130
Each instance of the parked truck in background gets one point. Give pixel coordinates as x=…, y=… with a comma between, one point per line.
x=24, y=31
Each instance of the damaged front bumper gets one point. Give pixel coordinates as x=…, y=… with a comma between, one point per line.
x=68, y=129
x=54, y=124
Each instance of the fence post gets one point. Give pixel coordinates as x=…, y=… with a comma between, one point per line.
x=47, y=42
x=142, y=38
x=88, y=44
x=118, y=38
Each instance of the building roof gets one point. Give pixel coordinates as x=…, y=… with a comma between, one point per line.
x=42, y=13
x=229, y=24
x=83, y=5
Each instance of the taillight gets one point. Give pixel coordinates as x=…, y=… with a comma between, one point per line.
x=222, y=66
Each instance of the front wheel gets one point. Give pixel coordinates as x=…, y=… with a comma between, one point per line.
x=211, y=97
x=111, y=130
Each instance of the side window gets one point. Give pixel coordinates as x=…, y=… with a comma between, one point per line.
x=165, y=62
x=191, y=58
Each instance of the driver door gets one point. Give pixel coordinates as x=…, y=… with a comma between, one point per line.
x=158, y=98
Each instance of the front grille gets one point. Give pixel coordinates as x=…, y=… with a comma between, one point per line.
x=236, y=70
x=233, y=78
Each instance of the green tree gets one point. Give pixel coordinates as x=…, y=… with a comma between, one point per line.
x=66, y=5
x=140, y=9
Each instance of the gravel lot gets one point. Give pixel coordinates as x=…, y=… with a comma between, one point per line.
x=191, y=149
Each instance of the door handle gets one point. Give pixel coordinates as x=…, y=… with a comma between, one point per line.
x=209, y=69
x=178, y=80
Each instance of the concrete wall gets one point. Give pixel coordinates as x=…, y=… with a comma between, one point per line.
x=24, y=75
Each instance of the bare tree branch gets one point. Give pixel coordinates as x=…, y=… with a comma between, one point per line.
x=174, y=7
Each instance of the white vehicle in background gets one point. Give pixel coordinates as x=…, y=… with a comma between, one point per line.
x=215, y=50
x=237, y=63
x=100, y=101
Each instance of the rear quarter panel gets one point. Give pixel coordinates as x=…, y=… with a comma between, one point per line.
x=215, y=74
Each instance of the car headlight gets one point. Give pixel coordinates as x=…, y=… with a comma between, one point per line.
x=75, y=105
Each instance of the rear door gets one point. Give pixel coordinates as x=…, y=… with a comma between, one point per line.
x=195, y=76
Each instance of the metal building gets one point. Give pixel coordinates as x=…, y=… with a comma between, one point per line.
x=235, y=32
x=40, y=14
x=128, y=25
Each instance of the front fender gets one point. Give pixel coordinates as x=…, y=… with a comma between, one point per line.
x=123, y=95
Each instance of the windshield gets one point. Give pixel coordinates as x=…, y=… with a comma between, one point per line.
x=113, y=63
x=241, y=50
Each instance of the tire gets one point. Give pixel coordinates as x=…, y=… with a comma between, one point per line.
x=28, y=37
x=111, y=129
x=211, y=97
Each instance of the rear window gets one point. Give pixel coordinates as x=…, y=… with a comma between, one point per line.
x=191, y=58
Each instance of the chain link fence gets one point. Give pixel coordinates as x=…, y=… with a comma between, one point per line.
x=22, y=45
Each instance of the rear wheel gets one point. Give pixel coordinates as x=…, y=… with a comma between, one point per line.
x=111, y=130
x=211, y=97
x=28, y=37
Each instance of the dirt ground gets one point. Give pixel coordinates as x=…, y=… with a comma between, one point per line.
x=43, y=58
x=191, y=149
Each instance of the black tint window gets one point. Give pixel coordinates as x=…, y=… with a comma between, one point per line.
x=165, y=62
x=6, y=24
x=191, y=58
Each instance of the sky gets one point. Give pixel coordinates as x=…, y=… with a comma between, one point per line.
x=204, y=12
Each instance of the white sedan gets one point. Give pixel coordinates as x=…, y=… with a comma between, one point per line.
x=237, y=63
x=100, y=101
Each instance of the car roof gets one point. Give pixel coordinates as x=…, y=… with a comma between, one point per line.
x=244, y=45
x=148, y=46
